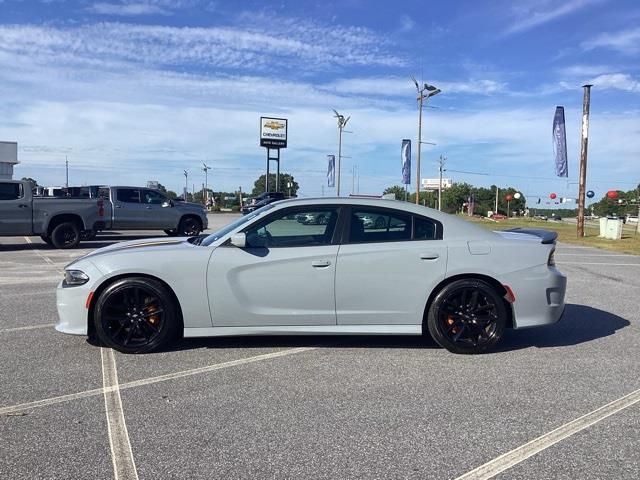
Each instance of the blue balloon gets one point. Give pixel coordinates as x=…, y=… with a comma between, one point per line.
x=590, y=194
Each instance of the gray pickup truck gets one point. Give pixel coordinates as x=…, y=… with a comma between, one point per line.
x=59, y=221
x=64, y=222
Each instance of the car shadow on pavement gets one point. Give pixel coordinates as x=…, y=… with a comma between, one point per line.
x=579, y=324
x=318, y=341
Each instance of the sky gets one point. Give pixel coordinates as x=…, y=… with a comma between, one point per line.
x=136, y=90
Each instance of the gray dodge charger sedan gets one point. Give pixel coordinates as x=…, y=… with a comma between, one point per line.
x=411, y=271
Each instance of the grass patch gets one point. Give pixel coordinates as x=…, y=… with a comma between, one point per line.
x=630, y=242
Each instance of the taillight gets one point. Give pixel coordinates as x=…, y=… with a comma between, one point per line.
x=552, y=260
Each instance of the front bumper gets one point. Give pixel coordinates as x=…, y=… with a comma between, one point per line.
x=71, y=302
x=539, y=294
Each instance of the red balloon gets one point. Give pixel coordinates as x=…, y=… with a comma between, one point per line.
x=612, y=194
x=508, y=197
x=552, y=196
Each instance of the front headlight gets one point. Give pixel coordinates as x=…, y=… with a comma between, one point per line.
x=73, y=278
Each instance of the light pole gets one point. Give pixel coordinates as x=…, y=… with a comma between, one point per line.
x=186, y=187
x=206, y=168
x=442, y=162
x=423, y=94
x=342, y=122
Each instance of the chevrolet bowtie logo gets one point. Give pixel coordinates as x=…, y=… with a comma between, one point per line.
x=273, y=125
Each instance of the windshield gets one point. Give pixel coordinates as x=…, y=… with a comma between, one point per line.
x=233, y=225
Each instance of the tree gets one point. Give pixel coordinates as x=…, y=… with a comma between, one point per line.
x=285, y=179
x=397, y=190
x=29, y=179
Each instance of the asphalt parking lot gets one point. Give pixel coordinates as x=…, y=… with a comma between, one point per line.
x=330, y=407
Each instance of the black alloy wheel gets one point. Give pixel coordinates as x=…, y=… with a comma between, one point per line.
x=380, y=223
x=467, y=316
x=189, y=227
x=65, y=235
x=171, y=233
x=136, y=315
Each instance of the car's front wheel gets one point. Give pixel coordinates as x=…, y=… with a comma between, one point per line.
x=136, y=315
x=189, y=226
x=467, y=316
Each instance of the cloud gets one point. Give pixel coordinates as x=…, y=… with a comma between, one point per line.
x=531, y=15
x=406, y=23
x=127, y=9
x=240, y=48
x=626, y=41
x=404, y=87
x=617, y=81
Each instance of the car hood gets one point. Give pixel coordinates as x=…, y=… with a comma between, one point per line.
x=154, y=244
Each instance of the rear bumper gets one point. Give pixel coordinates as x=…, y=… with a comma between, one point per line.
x=539, y=294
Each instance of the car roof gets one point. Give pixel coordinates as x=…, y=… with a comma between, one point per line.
x=453, y=225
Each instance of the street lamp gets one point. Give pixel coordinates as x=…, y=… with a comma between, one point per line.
x=424, y=94
x=186, y=188
x=342, y=122
x=206, y=168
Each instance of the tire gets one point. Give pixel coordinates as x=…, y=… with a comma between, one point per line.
x=136, y=315
x=467, y=316
x=380, y=223
x=189, y=227
x=66, y=235
x=171, y=233
x=322, y=220
x=46, y=240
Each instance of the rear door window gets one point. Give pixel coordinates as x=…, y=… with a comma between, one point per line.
x=10, y=191
x=128, y=195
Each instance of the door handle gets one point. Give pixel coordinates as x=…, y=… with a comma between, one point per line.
x=320, y=263
x=429, y=256
x=22, y=205
x=118, y=206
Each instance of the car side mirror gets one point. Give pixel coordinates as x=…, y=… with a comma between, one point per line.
x=239, y=240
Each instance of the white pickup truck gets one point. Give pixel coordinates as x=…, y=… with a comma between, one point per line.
x=64, y=222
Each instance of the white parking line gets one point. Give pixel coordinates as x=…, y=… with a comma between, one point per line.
x=45, y=258
x=517, y=455
x=601, y=263
x=30, y=327
x=148, y=381
x=124, y=465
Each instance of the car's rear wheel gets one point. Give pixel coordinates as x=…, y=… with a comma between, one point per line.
x=65, y=235
x=171, y=233
x=189, y=226
x=136, y=315
x=88, y=234
x=467, y=316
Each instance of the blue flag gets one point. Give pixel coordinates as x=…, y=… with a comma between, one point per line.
x=331, y=171
x=560, y=143
x=406, y=161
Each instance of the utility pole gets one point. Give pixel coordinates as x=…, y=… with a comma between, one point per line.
x=186, y=184
x=240, y=194
x=423, y=94
x=342, y=122
x=66, y=167
x=586, y=101
x=495, y=210
x=442, y=162
x=205, y=197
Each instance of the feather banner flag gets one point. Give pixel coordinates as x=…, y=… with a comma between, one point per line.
x=560, y=143
x=331, y=171
x=406, y=161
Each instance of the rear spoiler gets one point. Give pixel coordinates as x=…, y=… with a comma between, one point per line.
x=547, y=236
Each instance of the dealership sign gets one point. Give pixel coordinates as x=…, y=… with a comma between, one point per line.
x=273, y=132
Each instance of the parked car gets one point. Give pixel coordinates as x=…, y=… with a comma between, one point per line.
x=266, y=273
x=261, y=200
x=498, y=216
